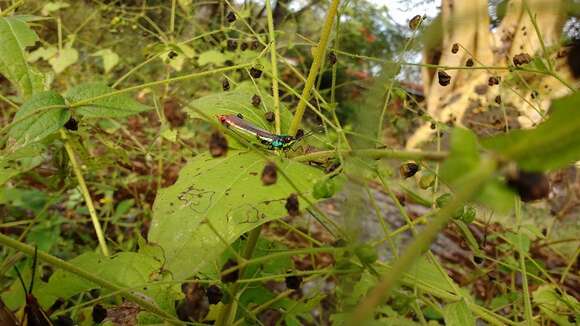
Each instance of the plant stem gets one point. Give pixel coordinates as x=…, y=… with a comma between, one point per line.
x=59, y=263
x=522, y=262
x=318, y=55
x=229, y=310
x=85, y=192
x=274, y=64
x=375, y=154
x=469, y=186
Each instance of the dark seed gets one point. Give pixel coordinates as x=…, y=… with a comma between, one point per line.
x=498, y=100
x=270, y=117
x=231, y=17
x=225, y=85
x=574, y=58
x=292, y=205
x=455, y=48
x=433, y=125
x=478, y=260
x=415, y=22
x=244, y=46
x=269, y=174
x=522, y=59
x=172, y=55
x=72, y=124
x=254, y=45
x=534, y=94
x=469, y=62
x=63, y=321
x=255, y=72
x=233, y=275
x=408, y=169
x=214, y=294
x=444, y=78
x=99, y=313
x=232, y=45
x=332, y=58
x=256, y=100
x=493, y=80
x=218, y=144
x=299, y=134
x=529, y=185
x=293, y=282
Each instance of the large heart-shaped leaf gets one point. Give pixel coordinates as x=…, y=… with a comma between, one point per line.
x=237, y=101
x=551, y=145
x=114, y=106
x=39, y=117
x=15, y=36
x=226, y=192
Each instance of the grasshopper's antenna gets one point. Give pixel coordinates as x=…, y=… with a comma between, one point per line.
x=21, y=279
x=33, y=269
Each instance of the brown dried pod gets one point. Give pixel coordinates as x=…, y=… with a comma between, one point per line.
x=293, y=282
x=254, y=45
x=225, y=85
x=455, y=48
x=269, y=174
x=408, y=169
x=493, y=80
x=218, y=144
x=270, y=117
x=292, y=205
x=214, y=294
x=498, y=100
x=232, y=45
x=522, y=59
x=469, y=62
x=231, y=17
x=574, y=58
x=256, y=100
x=233, y=275
x=244, y=46
x=72, y=124
x=444, y=78
x=529, y=185
x=255, y=72
x=415, y=22
x=332, y=58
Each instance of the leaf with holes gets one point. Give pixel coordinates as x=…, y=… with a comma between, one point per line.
x=43, y=114
x=113, y=106
x=226, y=193
x=15, y=36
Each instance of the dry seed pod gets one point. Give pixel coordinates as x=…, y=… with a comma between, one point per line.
x=270, y=117
x=255, y=72
x=415, y=22
x=218, y=144
x=522, y=59
x=292, y=205
x=233, y=275
x=455, y=48
x=469, y=62
x=444, y=78
x=225, y=85
x=332, y=58
x=408, y=169
x=269, y=174
x=529, y=185
x=293, y=282
x=231, y=17
x=256, y=100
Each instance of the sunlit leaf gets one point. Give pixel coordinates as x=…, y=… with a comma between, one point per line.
x=53, y=6
x=211, y=57
x=63, y=59
x=120, y=105
x=226, y=192
x=458, y=314
x=110, y=58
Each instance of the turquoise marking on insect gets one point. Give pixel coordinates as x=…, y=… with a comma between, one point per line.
x=265, y=137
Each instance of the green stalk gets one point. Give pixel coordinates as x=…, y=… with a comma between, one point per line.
x=522, y=261
x=470, y=185
x=229, y=310
x=274, y=64
x=375, y=154
x=318, y=55
x=86, y=194
x=59, y=263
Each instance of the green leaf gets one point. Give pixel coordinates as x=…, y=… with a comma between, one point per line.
x=37, y=122
x=19, y=161
x=551, y=145
x=63, y=59
x=237, y=101
x=555, y=306
x=458, y=314
x=211, y=57
x=227, y=192
x=120, y=105
x=15, y=36
x=464, y=156
x=110, y=58
x=126, y=269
